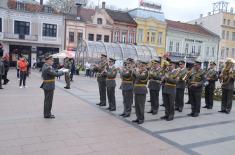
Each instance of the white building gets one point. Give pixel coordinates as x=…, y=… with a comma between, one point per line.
x=30, y=30
x=221, y=22
x=191, y=42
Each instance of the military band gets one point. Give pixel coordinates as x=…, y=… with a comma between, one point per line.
x=173, y=81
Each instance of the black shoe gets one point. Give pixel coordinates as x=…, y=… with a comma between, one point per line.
x=1, y=88
x=154, y=113
x=128, y=115
x=164, y=117
x=66, y=87
x=98, y=104
x=50, y=117
x=190, y=114
x=176, y=109
x=169, y=119
x=227, y=112
x=102, y=105
x=205, y=107
x=195, y=115
x=140, y=122
x=209, y=107
x=107, y=108
x=150, y=112
x=187, y=103
x=222, y=111
x=163, y=105
x=180, y=110
x=114, y=109
x=122, y=114
x=135, y=121
x=149, y=101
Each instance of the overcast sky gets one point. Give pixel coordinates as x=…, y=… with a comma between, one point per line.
x=179, y=10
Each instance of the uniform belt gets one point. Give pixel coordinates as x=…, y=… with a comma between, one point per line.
x=127, y=81
x=172, y=85
x=48, y=81
x=158, y=81
x=110, y=79
x=139, y=85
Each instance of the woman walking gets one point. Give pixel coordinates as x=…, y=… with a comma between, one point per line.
x=23, y=66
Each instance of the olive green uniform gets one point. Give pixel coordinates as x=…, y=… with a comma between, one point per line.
x=111, y=84
x=68, y=66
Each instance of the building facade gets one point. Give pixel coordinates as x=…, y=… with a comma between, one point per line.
x=221, y=22
x=30, y=30
x=151, y=28
x=189, y=42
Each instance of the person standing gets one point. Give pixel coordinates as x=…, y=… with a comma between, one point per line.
x=23, y=65
x=127, y=88
x=227, y=85
x=73, y=69
x=101, y=78
x=6, y=66
x=195, y=84
x=169, y=91
x=48, y=85
x=154, y=86
x=211, y=76
x=67, y=65
x=2, y=71
x=180, y=87
x=111, y=84
x=140, y=90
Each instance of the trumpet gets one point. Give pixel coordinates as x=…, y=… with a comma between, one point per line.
x=186, y=77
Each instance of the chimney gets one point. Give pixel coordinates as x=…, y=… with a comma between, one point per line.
x=41, y=2
x=103, y=5
x=201, y=15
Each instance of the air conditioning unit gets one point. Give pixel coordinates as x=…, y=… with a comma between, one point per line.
x=21, y=36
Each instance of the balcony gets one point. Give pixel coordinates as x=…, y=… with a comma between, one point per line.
x=20, y=37
x=184, y=54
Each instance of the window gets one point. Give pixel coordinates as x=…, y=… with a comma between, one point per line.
x=207, y=51
x=80, y=36
x=224, y=21
x=233, y=36
x=49, y=30
x=159, y=40
x=131, y=37
x=22, y=28
x=91, y=37
x=222, y=52
x=116, y=36
x=228, y=22
x=199, y=49
x=153, y=36
x=171, y=46
x=99, y=21
x=223, y=34
x=213, y=51
x=124, y=37
x=98, y=37
x=227, y=35
x=20, y=6
x=193, y=49
x=71, y=37
x=227, y=52
x=186, y=48
x=233, y=52
x=47, y=9
x=140, y=35
x=0, y=24
x=148, y=34
x=177, y=47
x=106, y=38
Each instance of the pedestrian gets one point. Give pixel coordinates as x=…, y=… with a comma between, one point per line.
x=73, y=69
x=87, y=66
x=67, y=65
x=2, y=71
x=6, y=66
x=48, y=85
x=23, y=66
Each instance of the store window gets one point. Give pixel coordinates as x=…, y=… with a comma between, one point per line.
x=106, y=38
x=98, y=37
x=71, y=37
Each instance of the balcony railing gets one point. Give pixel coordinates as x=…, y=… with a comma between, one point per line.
x=20, y=37
x=184, y=54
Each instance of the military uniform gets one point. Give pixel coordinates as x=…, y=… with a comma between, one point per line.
x=227, y=90
x=140, y=91
x=111, y=84
x=195, y=85
x=180, y=87
x=48, y=85
x=154, y=85
x=2, y=72
x=101, y=79
x=169, y=91
x=127, y=91
x=67, y=65
x=211, y=76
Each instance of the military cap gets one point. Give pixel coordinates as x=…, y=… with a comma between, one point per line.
x=230, y=60
x=154, y=61
x=212, y=63
x=112, y=59
x=143, y=62
x=181, y=62
x=130, y=59
x=47, y=57
x=103, y=55
x=198, y=61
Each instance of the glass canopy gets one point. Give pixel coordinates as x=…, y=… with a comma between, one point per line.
x=93, y=51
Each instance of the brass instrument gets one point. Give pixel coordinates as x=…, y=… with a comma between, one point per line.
x=227, y=73
x=186, y=77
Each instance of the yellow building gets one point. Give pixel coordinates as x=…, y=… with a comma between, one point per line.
x=151, y=29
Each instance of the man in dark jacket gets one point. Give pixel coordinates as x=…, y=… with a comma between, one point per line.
x=6, y=66
x=2, y=71
x=48, y=85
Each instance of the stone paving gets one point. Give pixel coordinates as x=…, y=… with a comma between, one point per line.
x=81, y=127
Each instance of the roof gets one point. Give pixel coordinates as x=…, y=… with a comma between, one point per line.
x=120, y=16
x=145, y=14
x=86, y=14
x=189, y=28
